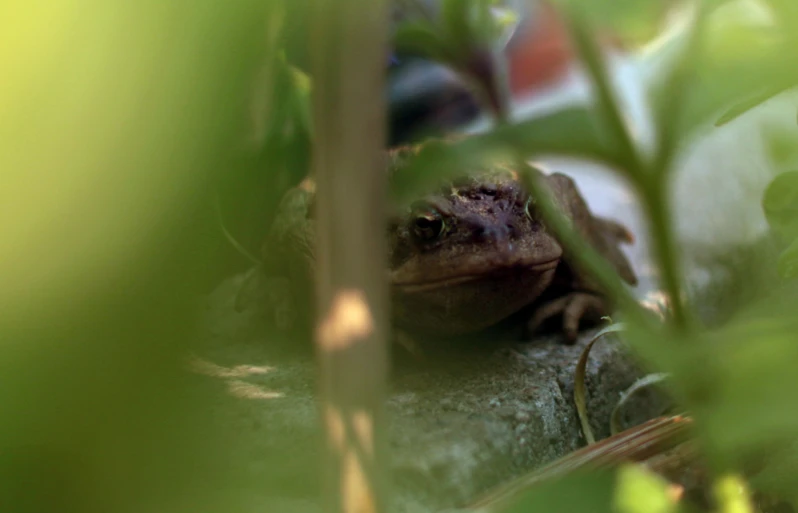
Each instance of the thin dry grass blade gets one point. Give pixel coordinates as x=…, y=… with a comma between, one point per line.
x=636, y=444
x=580, y=391
x=646, y=381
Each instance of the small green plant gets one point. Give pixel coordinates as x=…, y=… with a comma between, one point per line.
x=732, y=378
x=780, y=204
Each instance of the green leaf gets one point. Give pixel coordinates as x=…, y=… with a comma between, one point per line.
x=301, y=100
x=503, y=19
x=777, y=478
x=588, y=50
x=780, y=204
x=641, y=491
x=581, y=491
x=785, y=11
x=669, y=105
x=781, y=146
x=732, y=495
x=788, y=261
x=488, y=22
x=425, y=40
x=458, y=32
x=631, y=20
x=571, y=132
x=749, y=103
x=281, y=91
x=736, y=381
x=719, y=86
x=736, y=64
x=483, y=22
x=301, y=80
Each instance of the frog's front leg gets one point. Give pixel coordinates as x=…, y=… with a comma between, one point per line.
x=581, y=300
x=573, y=308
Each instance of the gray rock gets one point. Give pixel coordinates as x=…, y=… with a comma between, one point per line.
x=458, y=426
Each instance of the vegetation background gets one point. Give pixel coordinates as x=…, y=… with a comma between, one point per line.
x=123, y=124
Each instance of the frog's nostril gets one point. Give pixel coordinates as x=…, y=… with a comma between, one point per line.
x=494, y=233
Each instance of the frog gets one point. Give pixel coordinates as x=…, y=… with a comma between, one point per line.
x=469, y=254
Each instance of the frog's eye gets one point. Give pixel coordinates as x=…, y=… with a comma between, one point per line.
x=529, y=208
x=428, y=225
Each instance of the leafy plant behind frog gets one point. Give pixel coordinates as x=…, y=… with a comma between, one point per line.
x=733, y=369
x=780, y=203
x=730, y=375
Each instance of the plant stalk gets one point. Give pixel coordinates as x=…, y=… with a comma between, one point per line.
x=608, y=107
x=655, y=203
x=347, y=46
x=584, y=255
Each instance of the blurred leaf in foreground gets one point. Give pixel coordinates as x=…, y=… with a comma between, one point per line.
x=115, y=117
x=788, y=261
x=634, y=21
x=736, y=381
x=732, y=495
x=574, y=132
x=743, y=62
x=780, y=203
x=577, y=492
x=641, y=491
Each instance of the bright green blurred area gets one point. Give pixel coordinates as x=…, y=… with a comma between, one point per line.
x=115, y=118
x=641, y=491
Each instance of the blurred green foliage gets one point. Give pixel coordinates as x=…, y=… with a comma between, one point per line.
x=274, y=135
x=122, y=122
x=780, y=203
x=117, y=118
x=735, y=378
x=641, y=491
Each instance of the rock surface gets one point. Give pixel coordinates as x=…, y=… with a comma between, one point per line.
x=459, y=425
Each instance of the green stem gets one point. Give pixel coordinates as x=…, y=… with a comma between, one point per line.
x=608, y=108
x=668, y=116
x=502, y=87
x=654, y=183
x=420, y=9
x=657, y=209
x=577, y=248
x=649, y=178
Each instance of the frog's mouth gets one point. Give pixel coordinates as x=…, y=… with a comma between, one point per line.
x=426, y=285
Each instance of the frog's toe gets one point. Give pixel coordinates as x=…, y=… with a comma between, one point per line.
x=545, y=312
x=573, y=308
x=617, y=230
x=580, y=306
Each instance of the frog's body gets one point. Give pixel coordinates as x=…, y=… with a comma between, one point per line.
x=470, y=255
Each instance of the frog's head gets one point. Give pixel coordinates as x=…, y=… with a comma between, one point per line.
x=483, y=225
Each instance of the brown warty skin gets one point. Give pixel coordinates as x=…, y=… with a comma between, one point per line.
x=469, y=255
